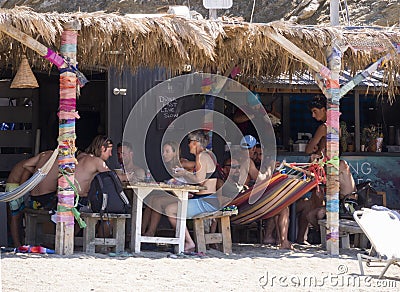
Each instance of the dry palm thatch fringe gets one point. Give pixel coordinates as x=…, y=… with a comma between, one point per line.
x=259, y=55
x=110, y=39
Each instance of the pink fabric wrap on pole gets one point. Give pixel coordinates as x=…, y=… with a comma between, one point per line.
x=62, y=183
x=334, y=118
x=68, y=115
x=67, y=104
x=68, y=219
x=54, y=58
x=69, y=37
x=66, y=199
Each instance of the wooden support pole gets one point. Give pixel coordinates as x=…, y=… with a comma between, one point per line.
x=214, y=87
x=334, y=12
x=334, y=56
x=357, y=129
x=66, y=140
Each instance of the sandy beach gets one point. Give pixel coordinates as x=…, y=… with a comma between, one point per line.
x=251, y=267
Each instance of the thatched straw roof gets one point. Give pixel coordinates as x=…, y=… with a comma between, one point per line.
x=112, y=39
x=171, y=41
x=249, y=45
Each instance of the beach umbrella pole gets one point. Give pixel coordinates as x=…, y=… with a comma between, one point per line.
x=66, y=141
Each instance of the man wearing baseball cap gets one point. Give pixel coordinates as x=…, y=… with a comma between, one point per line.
x=281, y=223
x=247, y=146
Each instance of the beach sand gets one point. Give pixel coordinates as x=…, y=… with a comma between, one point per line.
x=251, y=267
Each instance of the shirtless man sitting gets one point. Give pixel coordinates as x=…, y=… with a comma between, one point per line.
x=281, y=220
x=347, y=186
x=17, y=176
x=247, y=147
x=131, y=172
x=90, y=163
x=313, y=210
x=44, y=195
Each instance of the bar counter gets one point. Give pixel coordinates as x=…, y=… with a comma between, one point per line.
x=381, y=168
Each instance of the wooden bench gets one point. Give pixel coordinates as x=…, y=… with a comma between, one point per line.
x=90, y=241
x=224, y=228
x=346, y=227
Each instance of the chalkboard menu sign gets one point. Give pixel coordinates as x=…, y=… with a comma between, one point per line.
x=169, y=108
x=169, y=111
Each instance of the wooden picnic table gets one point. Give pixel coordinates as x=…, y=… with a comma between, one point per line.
x=141, y=191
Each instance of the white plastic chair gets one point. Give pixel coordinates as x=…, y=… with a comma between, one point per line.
x=383, y=230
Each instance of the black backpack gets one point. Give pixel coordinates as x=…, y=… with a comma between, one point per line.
x=365, y=197
x=106, y=194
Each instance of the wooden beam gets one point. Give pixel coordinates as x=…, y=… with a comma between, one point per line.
x=320, y=83
x=362, y=76
x=299, y=53
x=23, y=38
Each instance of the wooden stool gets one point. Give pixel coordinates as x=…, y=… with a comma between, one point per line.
x=224, y=228
x=34, y=235
x=90, y=241
x=346, y=227
x=33, y=232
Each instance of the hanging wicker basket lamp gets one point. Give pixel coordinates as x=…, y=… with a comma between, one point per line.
x=24, y=77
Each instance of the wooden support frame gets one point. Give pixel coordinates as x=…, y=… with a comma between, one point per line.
x=331, y=89
x=65, y=218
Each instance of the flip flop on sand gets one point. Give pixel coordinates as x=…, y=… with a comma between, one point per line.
x=193, y=253
x=34, y=249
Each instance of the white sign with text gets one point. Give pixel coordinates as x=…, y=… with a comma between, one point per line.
x=217, y=4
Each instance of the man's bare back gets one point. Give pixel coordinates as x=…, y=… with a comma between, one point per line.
x=18, y=174
x=49, y=183
x=86, y=169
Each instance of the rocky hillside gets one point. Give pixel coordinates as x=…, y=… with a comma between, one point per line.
x=361, y=12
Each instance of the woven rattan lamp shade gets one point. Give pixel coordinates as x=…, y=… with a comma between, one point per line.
x=24, y=77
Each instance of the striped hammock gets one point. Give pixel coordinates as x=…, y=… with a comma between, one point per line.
x=32, y=182
x=281, y=191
